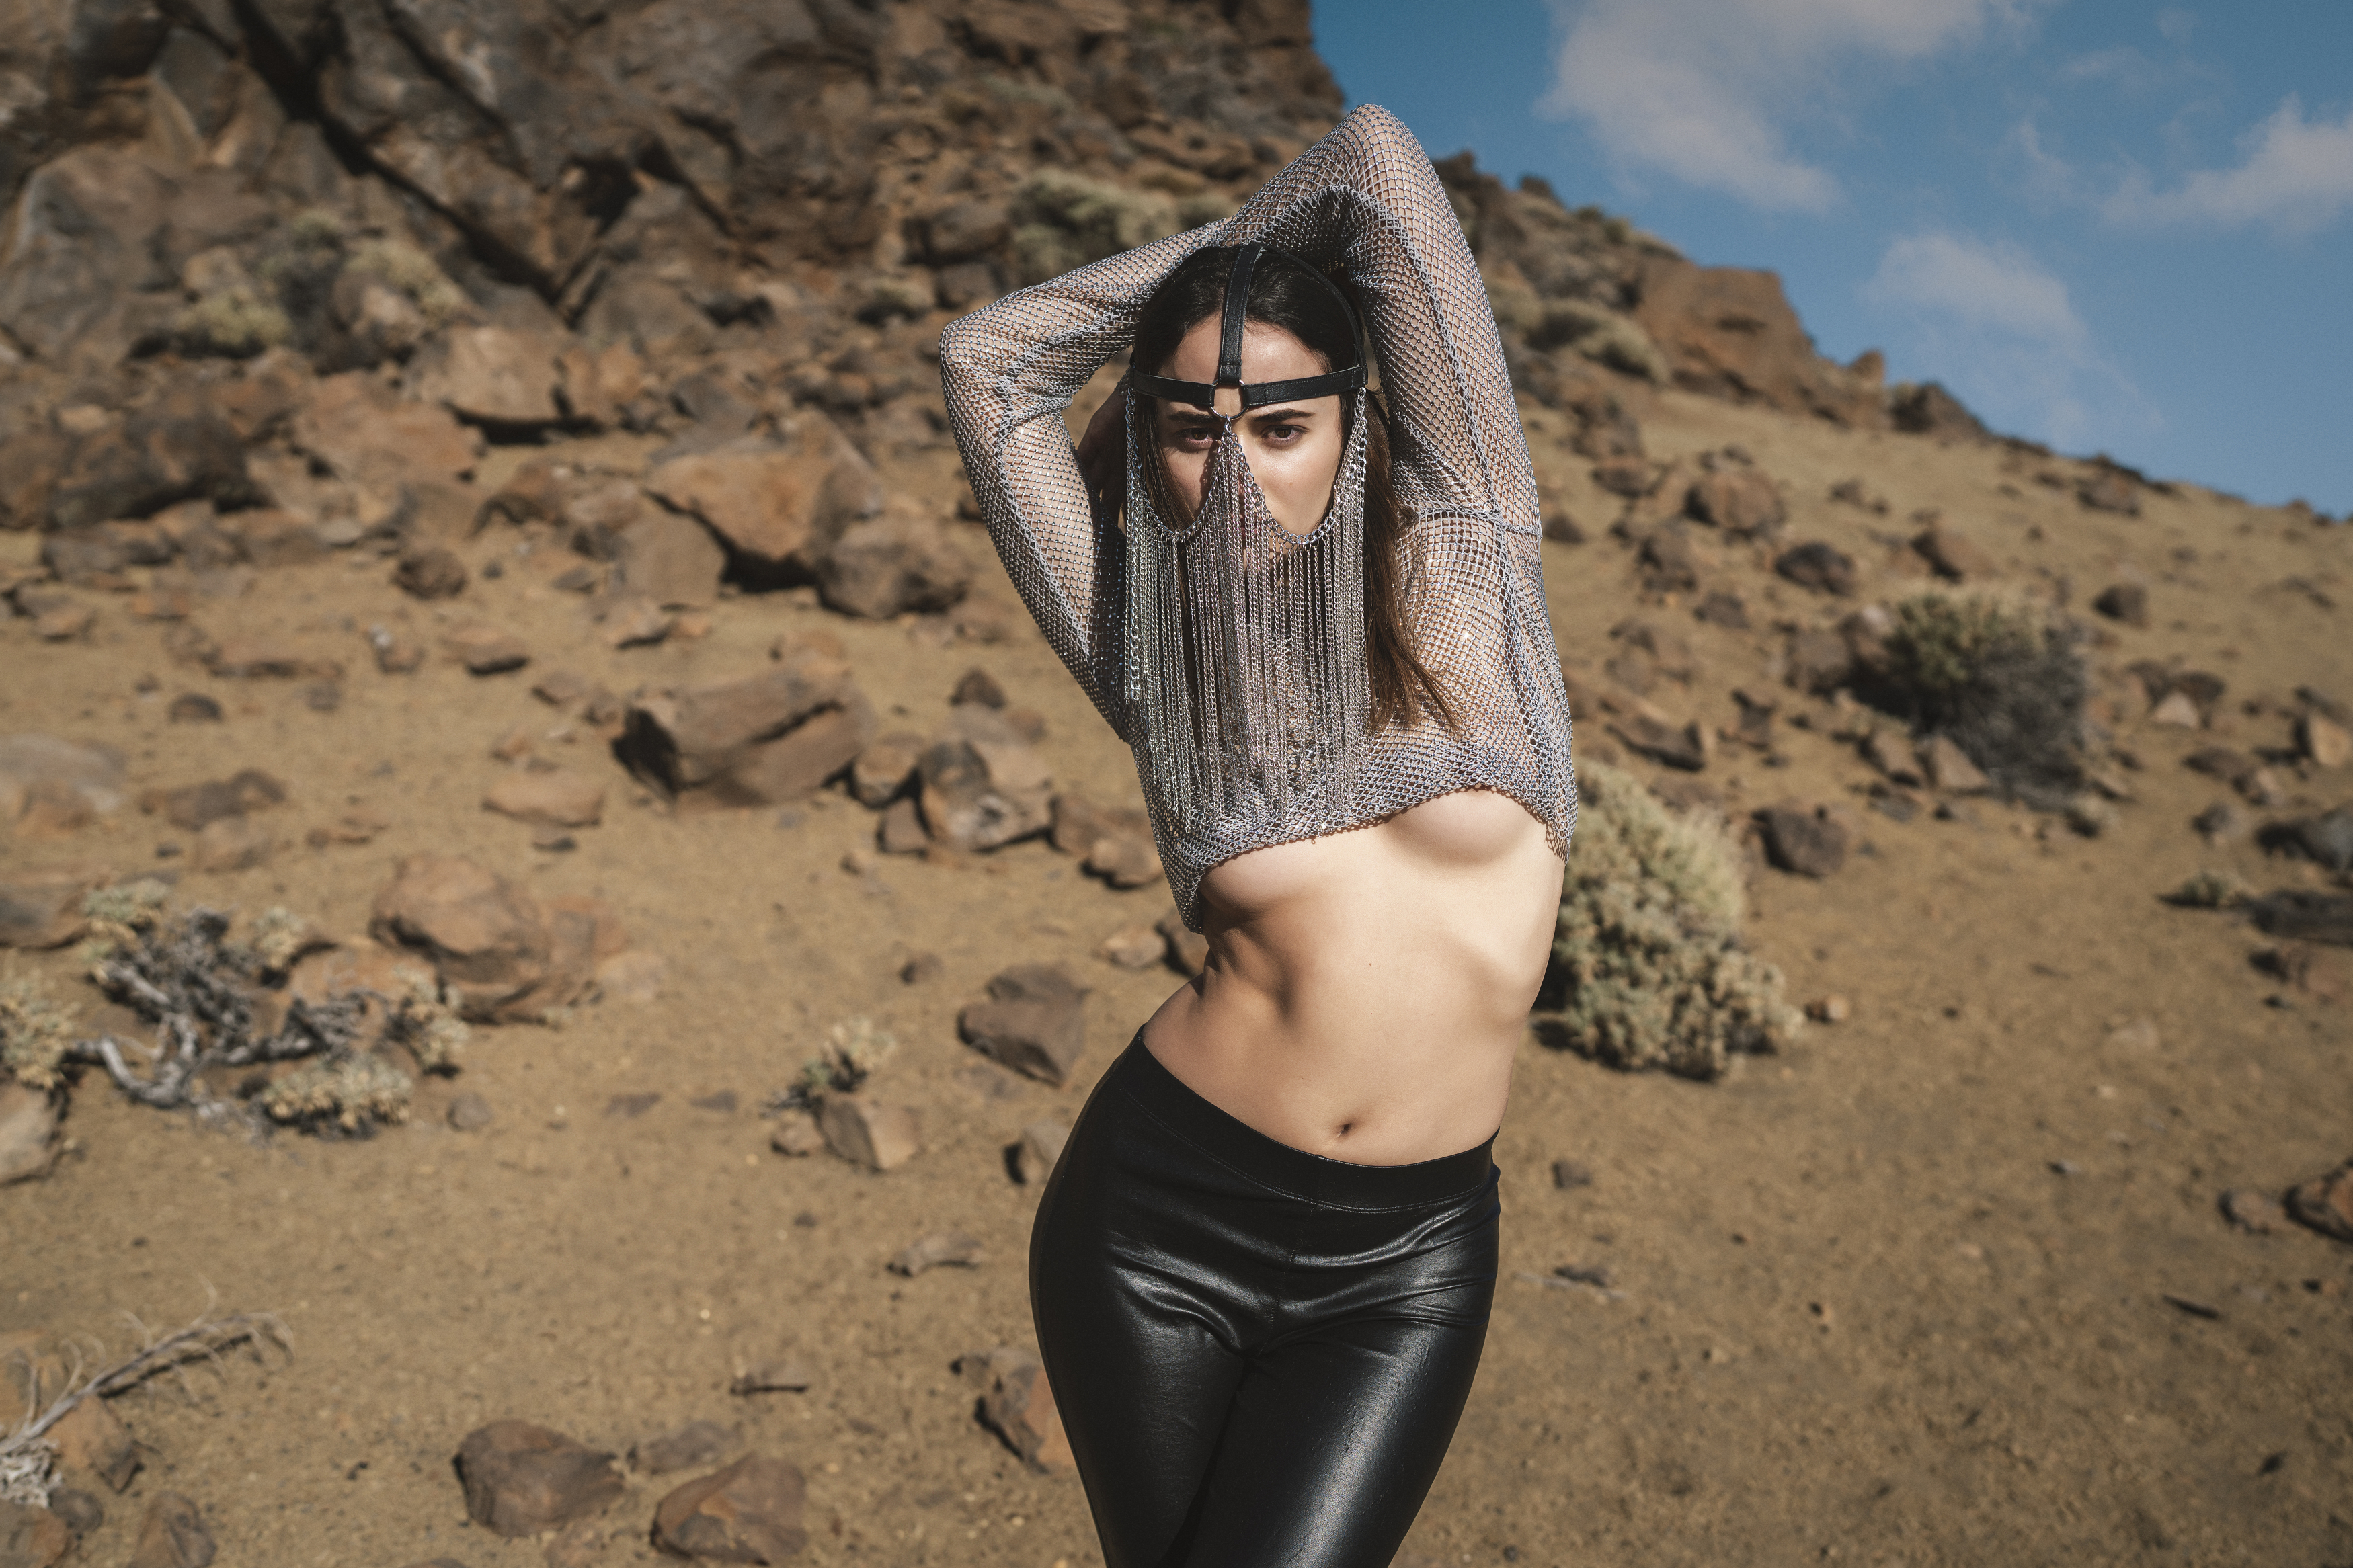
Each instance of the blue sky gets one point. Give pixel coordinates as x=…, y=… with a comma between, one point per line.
x=2112, y=227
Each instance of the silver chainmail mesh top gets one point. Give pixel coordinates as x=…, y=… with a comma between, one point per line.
x=1228, y=652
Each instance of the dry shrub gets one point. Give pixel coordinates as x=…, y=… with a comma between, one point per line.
x=36, y=1031
x=1999, y=675
x=1648, y=969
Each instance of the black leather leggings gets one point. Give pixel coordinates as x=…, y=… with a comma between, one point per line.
x=1260, y=1354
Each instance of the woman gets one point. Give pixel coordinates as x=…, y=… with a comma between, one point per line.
x=1262, y=1268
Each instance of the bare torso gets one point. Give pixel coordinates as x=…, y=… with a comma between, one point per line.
x=1365, y=992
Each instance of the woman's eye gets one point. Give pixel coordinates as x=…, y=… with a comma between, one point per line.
x=1285, y=432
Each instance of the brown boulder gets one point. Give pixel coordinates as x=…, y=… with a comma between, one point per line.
x=885, y=767
x=35, y=764
x=29, y=1144
x=1020, y=1408
x=174, y=448
x=1684, y=746
x=431, y=571
x=232, y=844
x=1807, y=843
x=91, y=1439
x=941, y=1249
x=983, y=786
x=482, y=933
x=2110, y=490
x=667, y=559
x=557, y=797
x=520, y=1478
x=1741, y=501
x=32, y=1537
x=43, y=908
x=776, y=736
x=2325, y=1203
x=873, y=1134
x=893, y=565
x=1819, y=566
x=191, y=807
x=485, y=650
x=492, y=375
x=748, y=1512
x=1928, y=410
x=1949, y=768
x=367, y=435
x=1954, y=554
x=2125, y=602
x=173, y=1535
x=1189, y=950
x=777, y=504
x=1033, y=1022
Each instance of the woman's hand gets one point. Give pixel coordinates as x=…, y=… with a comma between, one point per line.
x=1102, y=455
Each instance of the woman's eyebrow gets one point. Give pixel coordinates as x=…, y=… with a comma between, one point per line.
x=1262, y=414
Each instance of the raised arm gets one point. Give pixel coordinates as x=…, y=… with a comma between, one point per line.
x=1009, y=371
x=1366, y=197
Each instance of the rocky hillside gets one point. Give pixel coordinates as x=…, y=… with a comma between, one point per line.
x=536, y=844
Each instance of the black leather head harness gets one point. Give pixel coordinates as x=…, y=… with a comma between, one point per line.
x=1203, y=394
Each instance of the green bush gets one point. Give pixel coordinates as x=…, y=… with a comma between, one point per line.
x=1648, y=969
x=1063, y=220
x=2001, y=676
x=35, y=1032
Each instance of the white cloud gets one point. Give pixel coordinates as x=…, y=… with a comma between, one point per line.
x=2298, y=177
x=1996, y=287
x=2000, y=329
x=1698, y=89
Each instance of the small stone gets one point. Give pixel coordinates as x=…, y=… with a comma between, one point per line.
x=322, y=696
x=1809, y=842
x=748, y=1512
x=516, y=744
x=637, y=976
x=81, y=1511
x=872, y=1133
x=1686, y=746
x=920, y=968
x=485, y=650
x=1893, y=755
x=943, y=1249
x=561, y=688
x=173, y=1535
x=521, y=1478
x=1126, y=860
x=65, y=622
x=2125, y=602
x=1134, y=947
x=633, y=622
x=2136, y=1035
x=1954, y=554
x=1019, y=1408
x=1722, y=609
x=1567, y=1175
x=33, y=1537
x=2091, y=817
x=2258, y=1214
x=468, y=1112
x=2325, y=1203
x=977, y=686
x=29, y=1144
x=2178, y=708
x=560, y=798
x=1818, y=566
x=1033, y=1022
x=2324, y=742
x=796, y=1135
x=1949, y=769
x=232, y=844
x=696, y=1443
x=885, y=768
x=1041, y=1145
x=396, y=655
x=784, y=1375
x=193, y=707
x=1188, y=951
x=431, y=572
x=91, y=1438
x=2222, y=823
x=1831, y=1009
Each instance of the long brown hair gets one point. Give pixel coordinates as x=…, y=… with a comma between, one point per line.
x=1284, y=294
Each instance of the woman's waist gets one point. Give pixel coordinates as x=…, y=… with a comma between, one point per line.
x=1374, y=1076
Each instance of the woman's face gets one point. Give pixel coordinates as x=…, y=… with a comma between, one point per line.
x=1293, y=448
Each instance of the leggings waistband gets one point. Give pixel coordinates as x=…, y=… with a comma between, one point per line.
x=1139, y=1075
